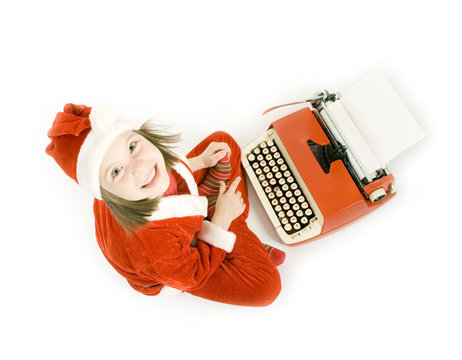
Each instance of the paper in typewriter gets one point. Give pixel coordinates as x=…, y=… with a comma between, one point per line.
x=381, y=117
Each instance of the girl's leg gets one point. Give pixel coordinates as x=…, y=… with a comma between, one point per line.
x=246, y=276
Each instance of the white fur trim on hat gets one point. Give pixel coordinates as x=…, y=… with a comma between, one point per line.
x=106, y=126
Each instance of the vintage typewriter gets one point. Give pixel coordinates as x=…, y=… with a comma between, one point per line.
x=309, y=176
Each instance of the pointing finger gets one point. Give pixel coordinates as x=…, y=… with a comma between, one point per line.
x=234, y=185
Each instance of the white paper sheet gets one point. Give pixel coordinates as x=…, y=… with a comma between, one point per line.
x=381, y=117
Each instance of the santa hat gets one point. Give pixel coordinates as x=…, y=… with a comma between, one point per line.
x=80, y=137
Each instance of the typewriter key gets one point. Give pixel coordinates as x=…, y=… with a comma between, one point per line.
x=304, y=220
x=258, y=171
x=263, y=144
x=297, y=226
x=256, y=151
x=290, y=179
x=283, y=167
x=308, y=212
x=283, y=200
x=285, y=187
x=261, y=177
x=277, y=208
x=271, y=195
x=262, y=163
x=255, y=165
x=286, y=207
x=290, y=213
x=292, y=200
x=296, y=207
x=293, y=219
x=299, y=213
x=297, y=192
x=280, y=161
x=251, y=157
x=273, y=181
x=270, y=143
x=274, y=202
x=279, y=193
x=274, y=169
x=278, y=175
x=264, y=183
x=301, y=199
x=269, y=175
x=289, y=193
x=281, y=214
x=284, y=221
x=277, y=155
x=287, y=227
x=260, y=157
x=268, y=190
x=266, y=169
x=272, y=163
x=293, y=186
x=304, y=205
x=268, y=157
x=287, y=173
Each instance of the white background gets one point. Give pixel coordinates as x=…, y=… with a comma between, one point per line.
x=386, y=287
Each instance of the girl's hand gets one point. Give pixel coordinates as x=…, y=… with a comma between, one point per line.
x=214, y=152
x=229, y=205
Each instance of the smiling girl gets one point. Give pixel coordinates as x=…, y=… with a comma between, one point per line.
x=166, y=222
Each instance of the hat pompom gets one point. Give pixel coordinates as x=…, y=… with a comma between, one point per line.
x=102, y=117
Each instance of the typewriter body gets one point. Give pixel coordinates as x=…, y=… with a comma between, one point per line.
x=310, y=179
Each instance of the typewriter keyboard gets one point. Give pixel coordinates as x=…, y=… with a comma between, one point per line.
x=280, y=187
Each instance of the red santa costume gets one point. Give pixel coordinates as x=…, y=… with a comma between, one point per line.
x=179, y=249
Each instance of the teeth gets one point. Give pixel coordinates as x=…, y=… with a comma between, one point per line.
x=149, y=179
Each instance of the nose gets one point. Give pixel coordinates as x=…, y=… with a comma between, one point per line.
x=137, y=166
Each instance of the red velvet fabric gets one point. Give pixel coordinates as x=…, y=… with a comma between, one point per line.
x=161, y=253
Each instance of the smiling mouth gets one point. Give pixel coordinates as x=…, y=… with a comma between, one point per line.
x=152, y=178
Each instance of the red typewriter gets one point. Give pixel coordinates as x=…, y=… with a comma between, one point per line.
x=314, y=173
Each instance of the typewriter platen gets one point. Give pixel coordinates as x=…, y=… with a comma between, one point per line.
x=309, y=177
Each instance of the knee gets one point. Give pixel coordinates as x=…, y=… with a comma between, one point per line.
x=270, y=289
x=223, y=136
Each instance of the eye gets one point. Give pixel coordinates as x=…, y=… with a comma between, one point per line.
x=132, y=147
x=115, y=172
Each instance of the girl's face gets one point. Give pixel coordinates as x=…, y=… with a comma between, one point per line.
x=133, y=168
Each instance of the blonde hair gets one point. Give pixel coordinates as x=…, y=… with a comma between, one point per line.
x=134, y=214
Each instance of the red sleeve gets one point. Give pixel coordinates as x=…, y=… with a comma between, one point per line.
x=166, y=255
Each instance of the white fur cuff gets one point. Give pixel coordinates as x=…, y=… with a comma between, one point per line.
x=216, y=236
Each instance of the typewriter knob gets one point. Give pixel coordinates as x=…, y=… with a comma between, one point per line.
x=377, y=195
